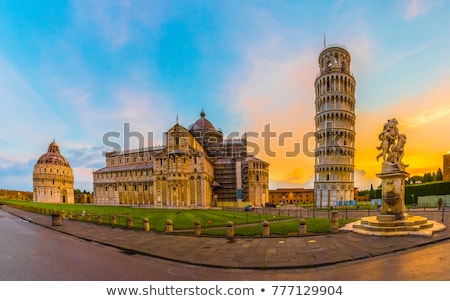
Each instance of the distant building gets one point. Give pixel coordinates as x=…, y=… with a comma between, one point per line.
x=446, y=168
x=16, y=195
x=195, y=168
x=53, y=178
x=360, y=198
x=83, y=198
x=291, y=196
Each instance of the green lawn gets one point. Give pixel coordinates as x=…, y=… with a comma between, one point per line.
x=182, y=219
x=213, y=222
x=283, y=227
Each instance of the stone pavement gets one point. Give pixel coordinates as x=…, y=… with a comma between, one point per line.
x=273, y=252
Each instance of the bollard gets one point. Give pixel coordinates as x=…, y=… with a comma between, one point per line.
x=169, y=226
x=56, y=219
x=99, y=219
x=88, y=217
x=63, y=215
x=302, y=227
x=443, y=209
x=334, y=221
x=113, y=220
x=197, y=228
x=79, y=216
x=230, y=229
x=130, y=222
x=70, y=214
x=146, y=225
x=265, y=228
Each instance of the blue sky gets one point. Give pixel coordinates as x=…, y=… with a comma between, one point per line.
x=76, y=70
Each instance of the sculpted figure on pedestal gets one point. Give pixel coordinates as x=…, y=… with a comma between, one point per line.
x=392, y=147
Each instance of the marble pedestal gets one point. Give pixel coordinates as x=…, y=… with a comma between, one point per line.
x=393, y=219
x=393, y=195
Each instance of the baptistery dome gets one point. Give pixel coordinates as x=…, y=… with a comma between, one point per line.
x=53, y=177
x=53, y=156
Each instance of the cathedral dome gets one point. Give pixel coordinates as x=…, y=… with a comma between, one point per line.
x=202, y=124
x=53, y=156
x=205, y=132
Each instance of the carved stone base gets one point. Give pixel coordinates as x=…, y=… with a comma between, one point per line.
x=387, y=225
x=393, y=194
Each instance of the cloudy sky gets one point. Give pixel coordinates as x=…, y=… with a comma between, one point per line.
x=77, y=71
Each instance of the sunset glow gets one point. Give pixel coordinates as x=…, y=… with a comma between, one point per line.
x=75, y=70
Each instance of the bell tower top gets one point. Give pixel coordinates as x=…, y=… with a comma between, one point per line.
x=334, y=57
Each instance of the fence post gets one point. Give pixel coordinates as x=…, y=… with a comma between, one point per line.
x=130, y=222
x=146, y=224
x=99, y=219
x=334, y=221
x=230, y=229
x=197, y=228
x=265, y=228
x=113, y=220
x=302, y=230
x=169, y=226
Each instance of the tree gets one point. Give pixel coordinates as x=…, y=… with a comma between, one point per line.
x=363, y=192
x=427, y=177
x=415, y=180
x=371, y=192
x=439, y=175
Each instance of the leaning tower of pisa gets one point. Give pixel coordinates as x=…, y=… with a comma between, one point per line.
x=335, y=128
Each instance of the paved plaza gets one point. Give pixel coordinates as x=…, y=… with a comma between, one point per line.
x=275, y=252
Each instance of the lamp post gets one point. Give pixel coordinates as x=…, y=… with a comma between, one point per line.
x=412, y=196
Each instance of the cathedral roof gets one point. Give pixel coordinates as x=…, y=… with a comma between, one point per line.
x=125, y=168
x=53, y=156
x=202, y=124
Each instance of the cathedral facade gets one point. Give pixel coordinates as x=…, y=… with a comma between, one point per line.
x=196, y=168
x=53, y=178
